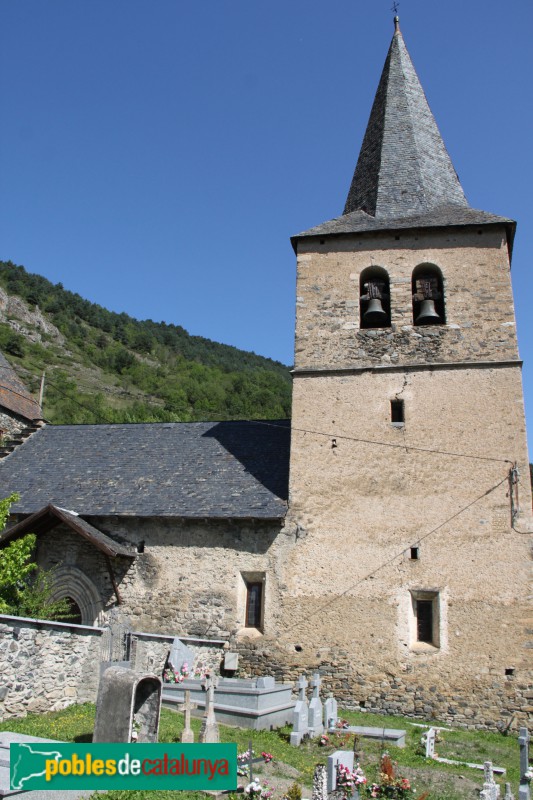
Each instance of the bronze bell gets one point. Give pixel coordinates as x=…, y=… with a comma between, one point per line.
x=427, y=315
x=375, y=316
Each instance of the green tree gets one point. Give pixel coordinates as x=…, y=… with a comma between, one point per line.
x=25, y=588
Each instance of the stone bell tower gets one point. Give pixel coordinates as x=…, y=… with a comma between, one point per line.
x=409, y=484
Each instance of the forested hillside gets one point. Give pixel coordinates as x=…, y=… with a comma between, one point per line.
x=106, y=367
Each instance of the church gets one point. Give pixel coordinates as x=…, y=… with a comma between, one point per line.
x=380, y=535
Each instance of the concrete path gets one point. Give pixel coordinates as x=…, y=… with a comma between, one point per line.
x=6, y=737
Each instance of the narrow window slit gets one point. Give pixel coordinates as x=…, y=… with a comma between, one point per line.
x=397, y=412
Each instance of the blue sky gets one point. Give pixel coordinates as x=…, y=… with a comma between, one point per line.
x=156, y=155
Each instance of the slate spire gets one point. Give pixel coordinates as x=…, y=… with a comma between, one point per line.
x=403, y=167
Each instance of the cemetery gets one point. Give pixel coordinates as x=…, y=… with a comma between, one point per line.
x=321, y=753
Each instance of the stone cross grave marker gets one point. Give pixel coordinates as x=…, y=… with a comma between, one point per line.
x=491, y=790
x=251, y=761
x=508, y=793
x=331, y=713
x=316, y=712
x=430, y=737
x=209, y=732
x=342, y=757
x=300, y=715
x=320, y=786
x=187, y=736
x=524, y=792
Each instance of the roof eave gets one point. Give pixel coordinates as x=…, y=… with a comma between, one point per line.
x=510, y=226
x=37, y=521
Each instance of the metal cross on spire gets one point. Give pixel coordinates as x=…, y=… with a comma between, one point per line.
x=395, y=7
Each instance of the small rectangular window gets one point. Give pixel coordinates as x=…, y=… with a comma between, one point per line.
x=254, y=605
x=397, y=412
x=426, y=624
x=424, y=621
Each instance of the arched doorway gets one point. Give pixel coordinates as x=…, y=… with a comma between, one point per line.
x=82, y=594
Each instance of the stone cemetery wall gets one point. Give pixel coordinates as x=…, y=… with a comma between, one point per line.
x=149, y=652
x=46, y=666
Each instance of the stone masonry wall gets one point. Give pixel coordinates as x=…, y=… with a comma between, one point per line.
x=478, y=298
x=492, y=701
x=366, y=491
x=11, y=424
x=188, y=579
x=46, y=666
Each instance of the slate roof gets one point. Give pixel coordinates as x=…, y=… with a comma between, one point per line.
x=190, y=470
x=51, y=516
x=404, y=177
x=444, y=216
x=13, y=394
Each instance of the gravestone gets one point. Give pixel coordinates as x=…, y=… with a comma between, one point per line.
x=231, y=662
x=524, y=792
x=491, y=790
x=251, y=761
x=331, y=713
x=266, y=682
x=128, y=707
x=187, y=735
x=429, y=741
x=179, y=655
x=320, y=785
x=209, y=732
x=508, y=793
x=300, y=716
x=316, y=712
x=344, y=757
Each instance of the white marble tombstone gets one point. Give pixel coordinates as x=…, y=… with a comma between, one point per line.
x=524, y=791
x=331, y=713
x=300, y=715
x=491, y=790
x=316, y=712
x=180, y=654
x=430, y=737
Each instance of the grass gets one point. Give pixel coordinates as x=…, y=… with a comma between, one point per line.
x=443, y=782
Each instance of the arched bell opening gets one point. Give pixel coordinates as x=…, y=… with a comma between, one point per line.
x=374, y=298
x=428, y=296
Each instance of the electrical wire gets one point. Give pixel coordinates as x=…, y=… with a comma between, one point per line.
x=326, y=606
x=387, y=444
x=309, y=431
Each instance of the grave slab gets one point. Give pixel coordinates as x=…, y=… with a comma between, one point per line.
x=390, y=735
x=237, y=702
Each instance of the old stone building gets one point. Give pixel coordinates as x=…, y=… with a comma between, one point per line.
x=390, y=550
x=20, y=414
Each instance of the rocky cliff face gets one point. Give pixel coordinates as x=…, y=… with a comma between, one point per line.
x=29, y=322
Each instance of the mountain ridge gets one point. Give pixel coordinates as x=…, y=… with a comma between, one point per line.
x=104, y=366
